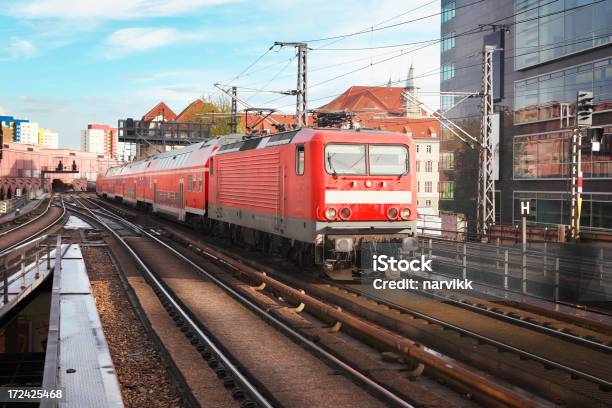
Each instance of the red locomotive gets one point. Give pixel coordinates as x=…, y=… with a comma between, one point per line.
x=317, y=195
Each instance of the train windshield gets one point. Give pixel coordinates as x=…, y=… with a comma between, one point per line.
x=389, y=160
x=353, y=159
x=345, y=159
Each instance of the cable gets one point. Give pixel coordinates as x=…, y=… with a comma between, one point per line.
x=337, y=40
x=250, y=65
x=263, y=89
x=372, y=29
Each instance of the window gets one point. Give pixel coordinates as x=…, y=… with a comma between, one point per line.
x=418, y=186
x=189, y=182
x=388, y=160
x=417, y=148
x=351, y=159
x=418, y=166
x=428, y=149
x=448, y=11
x=540, y=98
x=300, y=155
x=448, y=71
x=447, y=189
x=546, y=30
x=448, y=41
x=200, y=182
x=345, y=159
x=447, y=102
x=211, y=166
x=428, y=186
x=448, y=160
x=427, y=203
x=428, y=166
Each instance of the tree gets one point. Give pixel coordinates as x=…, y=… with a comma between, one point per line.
x=216, y=112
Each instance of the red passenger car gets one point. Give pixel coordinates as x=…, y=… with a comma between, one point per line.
x=317, y=195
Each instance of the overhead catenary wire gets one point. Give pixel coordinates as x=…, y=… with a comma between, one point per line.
x=372, y=29
x=471, y=31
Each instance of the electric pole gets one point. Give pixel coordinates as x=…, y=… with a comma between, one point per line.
x=301, y=108
x=486, y=181
x=234, y=118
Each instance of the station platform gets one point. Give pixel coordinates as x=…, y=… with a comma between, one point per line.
x=78, y=360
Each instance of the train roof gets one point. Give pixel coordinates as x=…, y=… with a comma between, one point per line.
x=199, y=153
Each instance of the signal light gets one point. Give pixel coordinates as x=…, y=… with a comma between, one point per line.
x=584, y=109
x=392, y=213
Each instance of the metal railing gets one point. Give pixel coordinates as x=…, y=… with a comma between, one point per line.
x=549, y=271
x=18, y=258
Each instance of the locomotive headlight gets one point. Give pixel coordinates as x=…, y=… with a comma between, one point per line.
x=330, y=214
x=392, y=213
x=345, y=213
x=405, y=213
x=368, y=183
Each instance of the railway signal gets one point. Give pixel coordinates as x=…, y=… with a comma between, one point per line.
x=584, y=109
x=584, y=119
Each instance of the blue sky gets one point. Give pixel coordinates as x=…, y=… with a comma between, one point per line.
x=66, y=63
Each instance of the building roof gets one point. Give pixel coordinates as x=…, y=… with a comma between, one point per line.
x=365, y=99
x=426, y=128
x=161, y=109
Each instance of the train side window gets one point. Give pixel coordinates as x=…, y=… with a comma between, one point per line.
x=300, y=162
x=211, y=165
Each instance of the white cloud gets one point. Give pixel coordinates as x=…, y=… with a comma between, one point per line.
x=109, y=9
x=20, y=48
x=139, y=39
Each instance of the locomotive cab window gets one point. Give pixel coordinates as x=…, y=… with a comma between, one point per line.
x=300, y=162
x=389, y=160
x=345, y=159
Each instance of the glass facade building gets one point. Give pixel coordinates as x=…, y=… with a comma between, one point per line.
x=548, y=51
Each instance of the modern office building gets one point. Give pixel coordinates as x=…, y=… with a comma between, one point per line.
x=547, y=51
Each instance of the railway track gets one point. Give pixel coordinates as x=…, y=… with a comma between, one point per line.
x=143, y=245
x=563, y=374
x=52, y=215
x=473, y=387
x=576, y=372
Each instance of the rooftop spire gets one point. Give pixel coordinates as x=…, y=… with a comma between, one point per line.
x=410, y=79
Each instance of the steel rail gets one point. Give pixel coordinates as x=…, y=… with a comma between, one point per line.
x=275, y=321
x=241, y=379
x=29, y=221
x=25, y=240
x=518, y=322
x=496, y=343
x=386, y=338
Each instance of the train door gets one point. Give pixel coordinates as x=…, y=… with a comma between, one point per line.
x=181, y=204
